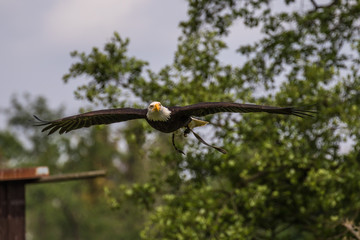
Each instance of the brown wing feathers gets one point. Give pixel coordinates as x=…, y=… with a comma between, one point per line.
x=68, y=124
x=279, y=110
x=202, y=109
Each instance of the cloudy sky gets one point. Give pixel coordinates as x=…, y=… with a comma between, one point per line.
x=37, y=37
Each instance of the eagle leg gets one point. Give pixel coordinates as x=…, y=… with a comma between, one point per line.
x=173, y=142
x=202, y=141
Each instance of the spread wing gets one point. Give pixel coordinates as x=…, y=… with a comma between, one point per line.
x=88, y=119
x=206, y=108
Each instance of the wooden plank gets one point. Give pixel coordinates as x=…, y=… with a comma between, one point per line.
x=12, y=195
x=23, y=173
x=70, y=176
x=12, y=210
x=3, y=211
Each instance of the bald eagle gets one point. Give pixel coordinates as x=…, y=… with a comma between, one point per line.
x=167, y=120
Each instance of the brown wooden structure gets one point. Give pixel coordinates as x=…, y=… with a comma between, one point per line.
x=12, y=195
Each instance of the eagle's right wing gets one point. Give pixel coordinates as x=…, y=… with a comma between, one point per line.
x=88, y=119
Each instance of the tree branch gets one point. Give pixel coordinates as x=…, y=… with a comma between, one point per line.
x=316, y=6
x=349, y=225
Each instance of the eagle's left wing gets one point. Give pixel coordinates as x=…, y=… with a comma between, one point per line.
x=206, y=108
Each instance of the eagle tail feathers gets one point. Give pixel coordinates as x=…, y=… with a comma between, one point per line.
x=196, y=123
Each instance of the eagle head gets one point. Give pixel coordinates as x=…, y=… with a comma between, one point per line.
x=157, y=112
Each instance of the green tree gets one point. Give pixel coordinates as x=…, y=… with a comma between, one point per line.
x=284, y=178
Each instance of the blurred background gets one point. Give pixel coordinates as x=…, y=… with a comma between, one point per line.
x=283, y=178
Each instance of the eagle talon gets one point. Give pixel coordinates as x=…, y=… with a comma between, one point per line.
x=179, y=151
x=173, y=142
x=223, y=151
x=186, y=132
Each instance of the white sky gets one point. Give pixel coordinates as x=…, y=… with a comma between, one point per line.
x=38, y=36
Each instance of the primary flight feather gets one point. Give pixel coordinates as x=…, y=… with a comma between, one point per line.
x=164, y=119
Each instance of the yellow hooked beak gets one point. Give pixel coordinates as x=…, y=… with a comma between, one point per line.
x=157, y=107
